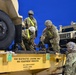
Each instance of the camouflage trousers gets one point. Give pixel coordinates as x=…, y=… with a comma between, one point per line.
x=54, y=43
x=27, y=45
x=56, y=47
x=70, y=69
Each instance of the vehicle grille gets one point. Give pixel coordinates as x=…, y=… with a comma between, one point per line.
x=65, y=36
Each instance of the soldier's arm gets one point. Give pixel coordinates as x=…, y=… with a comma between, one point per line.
x=36, y=24
x=32, y=42
x=25, y=23
x=36, y=27
x=68, y=65
x=55, y=32
x=24, y=35
x=23, y=46
x=43, y=35
x=69, y=60
x=44, y=32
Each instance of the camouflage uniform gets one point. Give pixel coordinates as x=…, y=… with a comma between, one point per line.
x=28, y=23
x=28, y=40
x=70, y=65
x=31, y=21
x=51, y=36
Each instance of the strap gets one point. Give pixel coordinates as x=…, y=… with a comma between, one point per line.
x=50, y=33
x=28, y=33
x=31, y=21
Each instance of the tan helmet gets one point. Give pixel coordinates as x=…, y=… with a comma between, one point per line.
x=48, y=22
x=71, y=46
x=32, y=29
x=30, y=12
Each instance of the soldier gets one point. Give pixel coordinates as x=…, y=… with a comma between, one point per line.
x=70, y=65
x=30, y=21
x=11, y=8
x=28, y=36
x=50, y=36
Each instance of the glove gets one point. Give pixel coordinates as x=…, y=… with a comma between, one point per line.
x=57, y=53
x=42, y=38
x=51, y=41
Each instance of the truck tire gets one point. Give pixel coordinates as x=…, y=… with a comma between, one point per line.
x=7, y=30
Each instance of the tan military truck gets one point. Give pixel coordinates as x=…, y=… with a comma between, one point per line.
x=10, y=23
x=67, y=33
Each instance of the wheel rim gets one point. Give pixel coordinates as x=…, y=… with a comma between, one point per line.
x=3, y=30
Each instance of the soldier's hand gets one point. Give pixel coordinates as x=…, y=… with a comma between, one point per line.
x=35, y=44
x=57, y=53
x=42, y=38
x=51, y=41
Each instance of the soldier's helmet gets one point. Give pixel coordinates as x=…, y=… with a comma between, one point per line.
x=48, y=23
x=30, y=12
x=32, y=29
x=71, y=46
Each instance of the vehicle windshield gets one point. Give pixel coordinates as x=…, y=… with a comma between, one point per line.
x=68, y=29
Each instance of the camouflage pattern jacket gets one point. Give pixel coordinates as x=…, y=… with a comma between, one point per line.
x=70, y=65
x=28, y=36
x=52, y=34
x=30, y=22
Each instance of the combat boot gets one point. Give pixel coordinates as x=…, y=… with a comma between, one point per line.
x=15, y=47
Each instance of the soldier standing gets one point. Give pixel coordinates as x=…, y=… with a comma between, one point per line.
x=28, y=36
x=70, y=65
x=50, y=36
x=31, y=21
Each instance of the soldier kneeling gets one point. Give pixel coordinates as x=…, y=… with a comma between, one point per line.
x=28, y=36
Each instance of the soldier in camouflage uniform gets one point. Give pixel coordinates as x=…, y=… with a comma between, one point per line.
x=30, y=21
x=70, y=65
x=50, y=36
x=28, y=36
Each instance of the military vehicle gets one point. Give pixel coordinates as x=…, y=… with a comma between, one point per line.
x=67, y=34
x=10, y=23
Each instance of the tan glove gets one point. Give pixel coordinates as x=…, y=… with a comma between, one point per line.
x=57, y=53
x=51, y=41
x=42, y=38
